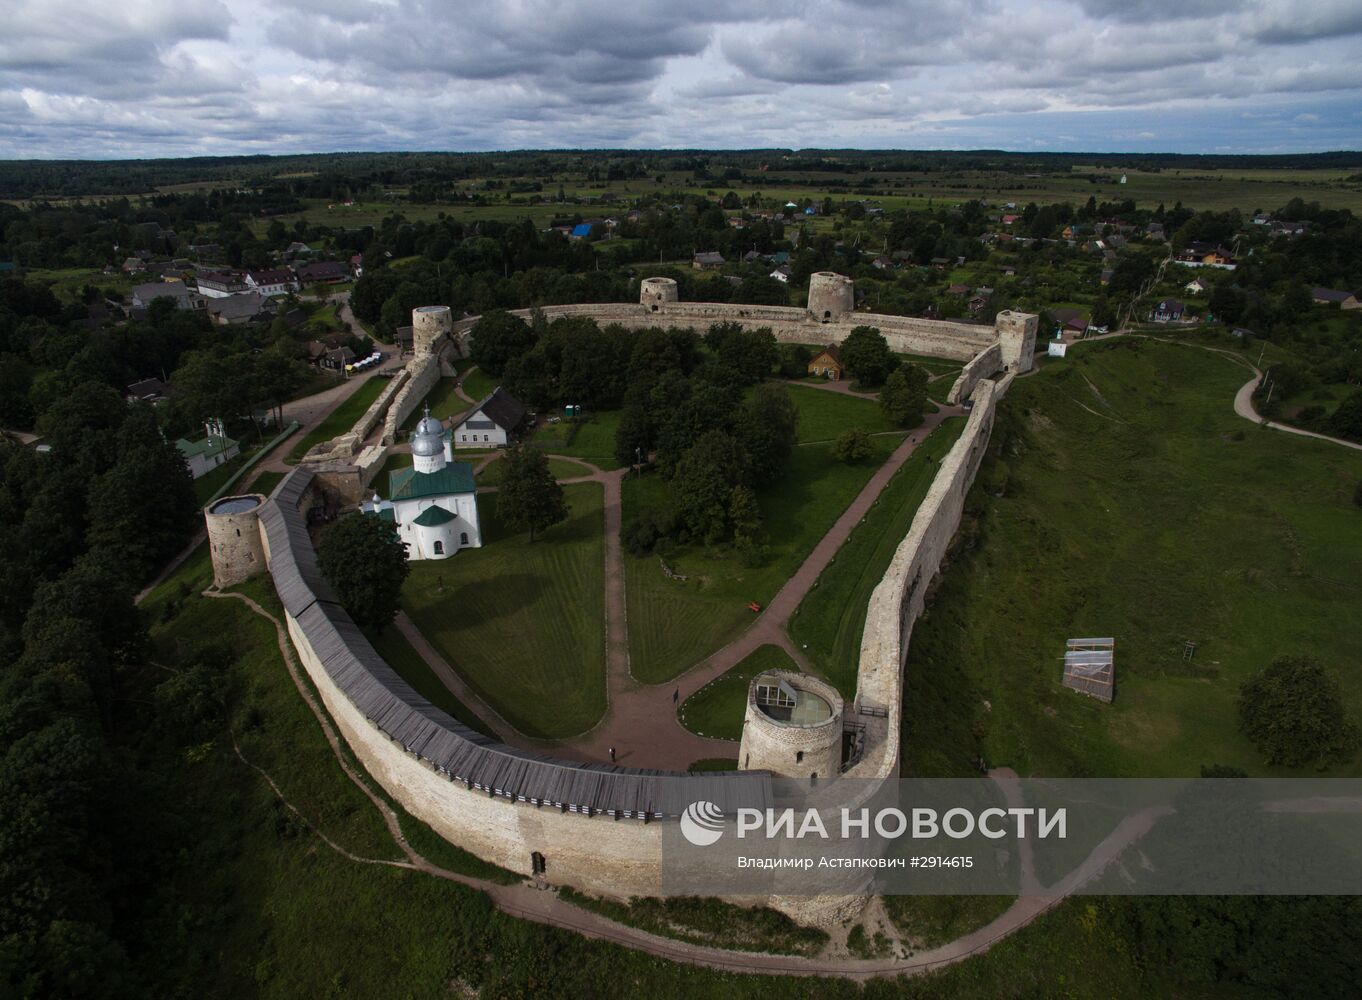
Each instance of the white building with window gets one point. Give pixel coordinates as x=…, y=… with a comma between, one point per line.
x=491, y=424
x=434, y=503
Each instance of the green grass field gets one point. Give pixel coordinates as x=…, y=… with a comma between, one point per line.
x=674, y=624
x=524, y=624
x=823, y=414
x=828, y=623
x=478, y=384
x=559, y=468
x=1135, y=504
x=594, y=440
x=341, y=419
x=717, y=708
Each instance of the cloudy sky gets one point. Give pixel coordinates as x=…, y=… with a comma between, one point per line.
x=102, y=78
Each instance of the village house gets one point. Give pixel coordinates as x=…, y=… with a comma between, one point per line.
x=275, y=281
x=1070, y=321
x=1196, y=287
x=826, y=363
x=240, y=309
x=214, y=450
x=1168, y=311
x=1335, y=297
x=781, y=274
x=491, y=424
x=220, y=284
x=323, y=272
x=707, y=261
x=183, y=296
x=148, y=390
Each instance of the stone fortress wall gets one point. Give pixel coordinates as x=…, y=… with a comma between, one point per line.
x=596, y=826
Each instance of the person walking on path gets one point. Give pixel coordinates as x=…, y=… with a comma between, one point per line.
x=612, y=755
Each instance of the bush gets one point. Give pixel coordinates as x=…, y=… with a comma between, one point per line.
x=642, y=535
x=853, y=445
x=1293, y=713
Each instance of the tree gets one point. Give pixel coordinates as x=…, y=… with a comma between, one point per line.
x=529, y=498
x=767, y=429
x=853, y=445
x=703, y=484
x=497, y=338
x=904, y=396
x=866, y=355
x=365, y=563
x=1347, y=419
x=1293, y=712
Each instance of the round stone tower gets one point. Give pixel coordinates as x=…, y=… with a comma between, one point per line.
x=234, y=538
x=792, y=727
x=657, y=292
x=428, y=325
x=831, y=296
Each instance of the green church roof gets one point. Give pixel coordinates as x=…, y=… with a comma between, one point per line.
x=408, y=484
x=433, y=517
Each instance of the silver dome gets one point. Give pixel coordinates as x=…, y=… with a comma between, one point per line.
x=427, y=445
x=430, y=425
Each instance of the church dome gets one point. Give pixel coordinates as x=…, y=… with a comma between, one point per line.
x=427, y=445
x=430, y=425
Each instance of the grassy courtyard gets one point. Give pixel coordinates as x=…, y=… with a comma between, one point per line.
x=1134, y=504
x=478, y=384
x=823, y=414
x=717, y=708
x=828, y=623
x=673, y=624
x=593, y=440
x=524, y=624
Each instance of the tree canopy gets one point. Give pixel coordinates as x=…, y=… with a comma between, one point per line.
x=528, y=497
x=366, y=564
x=1293, y=712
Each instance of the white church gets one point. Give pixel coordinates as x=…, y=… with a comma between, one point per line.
x=434, y=503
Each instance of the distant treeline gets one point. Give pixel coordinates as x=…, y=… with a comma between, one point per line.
x=83, y=178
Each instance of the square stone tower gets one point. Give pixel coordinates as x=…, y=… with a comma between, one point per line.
x=1016, y=335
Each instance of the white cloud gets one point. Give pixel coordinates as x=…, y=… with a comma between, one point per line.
x=79, y=77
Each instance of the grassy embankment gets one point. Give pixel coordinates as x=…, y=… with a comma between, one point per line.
x=1134, y=503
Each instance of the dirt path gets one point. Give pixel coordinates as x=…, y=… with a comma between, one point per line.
x=529, y=902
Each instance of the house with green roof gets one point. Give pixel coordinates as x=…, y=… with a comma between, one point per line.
x=206, y=455
x=433, y=504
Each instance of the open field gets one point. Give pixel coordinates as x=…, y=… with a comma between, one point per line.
x=1135, y=504
x=828, y=623
x=524, y=624
x=479, y=384
x=825, y=415
x=717, y=708
x=558, y=468
x=341, y=419
x=673, y=624
x=594, y=440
